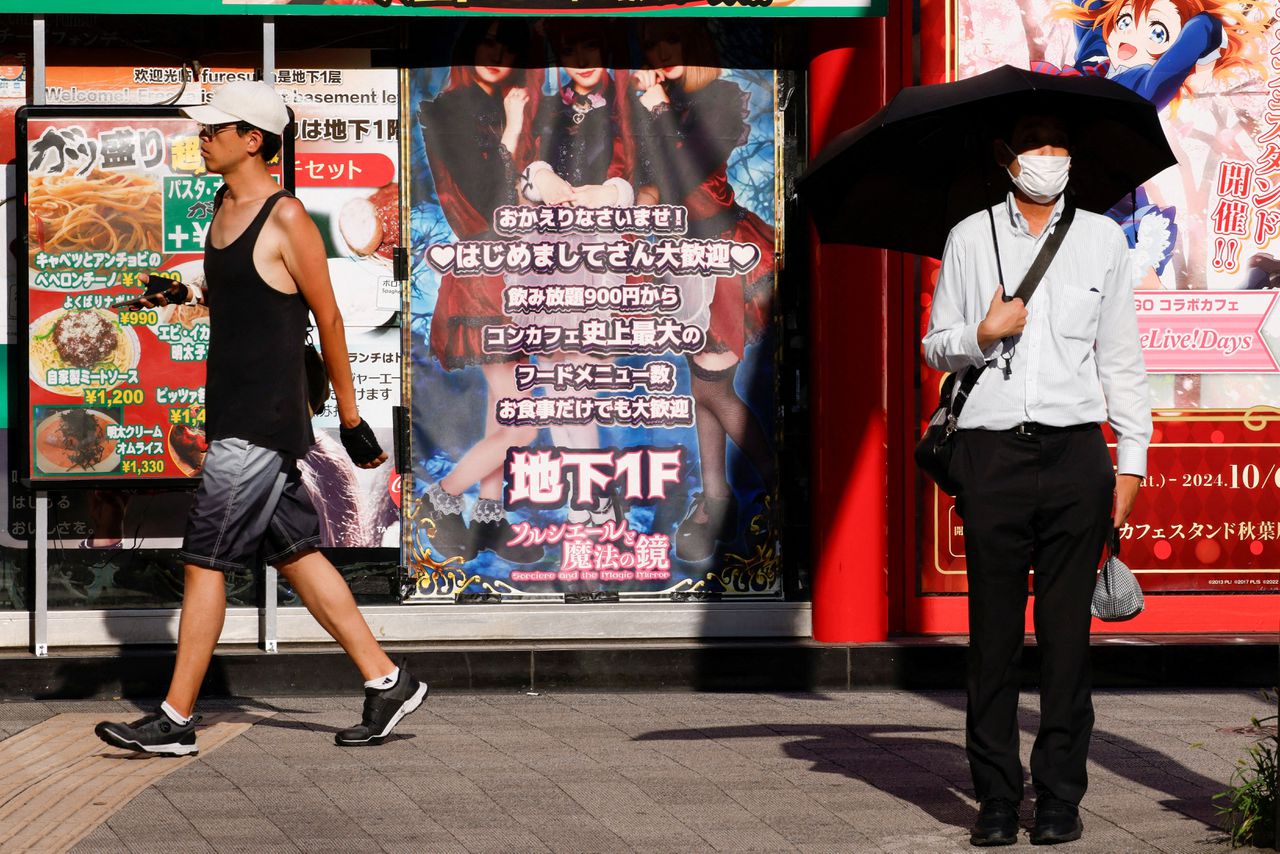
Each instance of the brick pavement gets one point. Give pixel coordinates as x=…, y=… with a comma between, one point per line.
x=655, y=772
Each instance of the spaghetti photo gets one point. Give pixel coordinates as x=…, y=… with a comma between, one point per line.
x=92, y=341
x=75, y=440
x=98, y=212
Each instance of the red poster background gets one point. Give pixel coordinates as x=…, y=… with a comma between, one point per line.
x=1199, y=524
x=155, y=366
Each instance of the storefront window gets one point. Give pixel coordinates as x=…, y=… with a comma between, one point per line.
x=704, y=154
x=116, y=548
x=593, y=310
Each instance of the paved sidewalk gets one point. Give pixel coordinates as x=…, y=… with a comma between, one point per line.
x=847, y=772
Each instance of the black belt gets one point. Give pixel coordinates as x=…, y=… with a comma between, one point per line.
x=1035, y=428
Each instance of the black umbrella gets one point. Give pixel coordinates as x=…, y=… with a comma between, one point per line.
x=904, y=177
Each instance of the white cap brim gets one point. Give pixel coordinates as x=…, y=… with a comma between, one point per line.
x=208, y=115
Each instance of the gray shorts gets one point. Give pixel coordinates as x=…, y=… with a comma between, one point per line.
x=250, y=508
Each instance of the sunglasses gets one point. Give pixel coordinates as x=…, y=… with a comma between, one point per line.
x=210, y=131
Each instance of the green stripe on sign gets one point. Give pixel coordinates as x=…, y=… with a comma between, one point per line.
x=626, y=8
x=4, y=386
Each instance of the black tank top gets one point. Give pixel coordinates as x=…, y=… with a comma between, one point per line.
x=256, y=388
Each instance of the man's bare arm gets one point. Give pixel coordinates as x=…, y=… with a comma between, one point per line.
x=302, y=250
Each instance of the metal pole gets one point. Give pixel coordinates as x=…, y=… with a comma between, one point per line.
x=38, y=60
x=269, y=50
x=268, y=626
x=40, y=614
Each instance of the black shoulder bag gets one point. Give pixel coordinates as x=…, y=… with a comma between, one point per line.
x=934, y=450
x=317, y=377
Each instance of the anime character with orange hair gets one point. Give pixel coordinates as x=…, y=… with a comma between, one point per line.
x=1162, y=50
x=1158, y=47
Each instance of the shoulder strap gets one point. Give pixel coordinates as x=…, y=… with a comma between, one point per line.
x=270, y=204
x=222, y=192
x=1044, y=258
x=1026, y=289
x=962, y=394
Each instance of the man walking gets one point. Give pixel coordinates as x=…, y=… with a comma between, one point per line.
x=265, y=266
x=1037, y=488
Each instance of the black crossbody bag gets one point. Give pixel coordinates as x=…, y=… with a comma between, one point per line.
x=935, y=448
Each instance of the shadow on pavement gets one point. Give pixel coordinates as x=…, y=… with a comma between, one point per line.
x=1189, y=791
x=877, y=754
x=132, y=673
x=224, y=706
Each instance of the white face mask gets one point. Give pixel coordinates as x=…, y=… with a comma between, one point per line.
x=1043, y=177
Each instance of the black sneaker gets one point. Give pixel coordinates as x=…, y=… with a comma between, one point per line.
x=156, y=734
x=383, y=709
x=609, y=509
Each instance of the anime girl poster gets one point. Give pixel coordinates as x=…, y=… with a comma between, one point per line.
x=593, y=257
x=1211, y=68
x=1203, y=238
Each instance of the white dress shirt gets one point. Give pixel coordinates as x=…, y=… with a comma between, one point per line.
x=1078, y=360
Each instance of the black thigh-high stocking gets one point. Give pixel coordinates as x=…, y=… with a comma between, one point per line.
x=711, y=448
x=720, y=411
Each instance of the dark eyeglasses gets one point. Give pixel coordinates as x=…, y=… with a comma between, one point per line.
x=210, y=131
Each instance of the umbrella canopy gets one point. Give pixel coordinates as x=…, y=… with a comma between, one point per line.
x=904, y=177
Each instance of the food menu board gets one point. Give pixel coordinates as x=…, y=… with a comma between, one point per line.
x=112, y=193
x=346, y=167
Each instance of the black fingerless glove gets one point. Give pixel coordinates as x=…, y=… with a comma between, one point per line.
x=362, y=446
x=173, y=291
x=178, y=294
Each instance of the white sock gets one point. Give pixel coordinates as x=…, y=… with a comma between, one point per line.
x=172, y=714
x=382, y=683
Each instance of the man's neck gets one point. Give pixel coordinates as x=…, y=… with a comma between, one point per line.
x=248, y=180
x=1036, y=214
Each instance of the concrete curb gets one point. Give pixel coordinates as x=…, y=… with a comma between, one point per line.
x=651, y=666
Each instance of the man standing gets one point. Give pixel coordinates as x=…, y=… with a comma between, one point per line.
x=265, y=267
x=1037, y=488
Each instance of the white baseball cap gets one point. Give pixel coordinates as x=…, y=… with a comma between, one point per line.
x=252, y=101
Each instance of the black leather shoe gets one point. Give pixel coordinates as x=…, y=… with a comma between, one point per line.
x=997, y=823
x=708, y=521
x=1056, y=821
x=449, y=534
x=495, y=537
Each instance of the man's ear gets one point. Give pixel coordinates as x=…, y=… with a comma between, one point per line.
x=254, y=140
x=1003, y=154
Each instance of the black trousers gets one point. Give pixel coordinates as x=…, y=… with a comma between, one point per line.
x=1042, y=502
